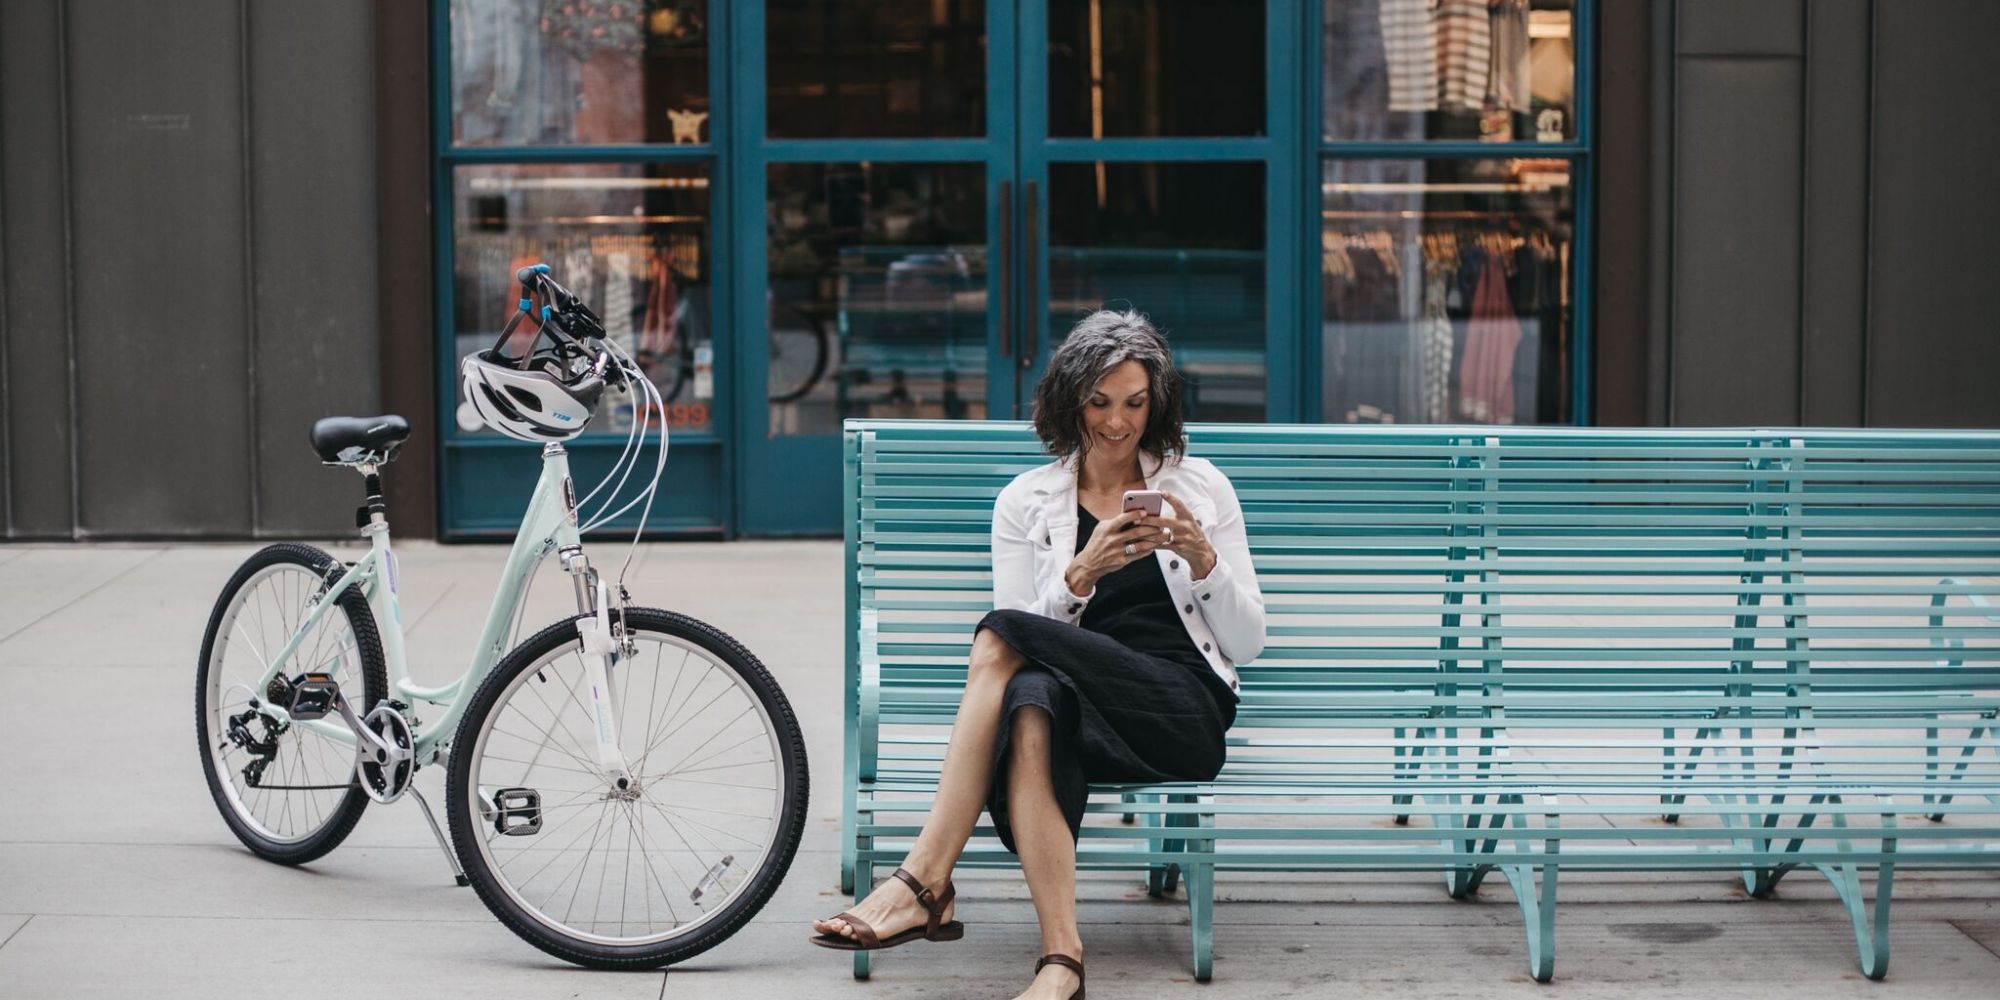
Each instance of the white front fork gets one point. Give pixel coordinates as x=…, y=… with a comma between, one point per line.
x=599, y=649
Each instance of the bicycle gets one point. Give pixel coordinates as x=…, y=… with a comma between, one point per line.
x=556, y=779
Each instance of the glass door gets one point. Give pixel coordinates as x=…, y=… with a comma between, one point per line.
x=934, y=191
x=876, y=178
x=1154, y=131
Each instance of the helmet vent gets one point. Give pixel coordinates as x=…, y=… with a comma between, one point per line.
x=525, y=398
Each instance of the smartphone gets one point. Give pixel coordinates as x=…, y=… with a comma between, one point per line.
x=1149, y=501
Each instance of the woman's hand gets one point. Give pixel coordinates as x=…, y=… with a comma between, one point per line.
x=1182, y=536
x=1115, y=543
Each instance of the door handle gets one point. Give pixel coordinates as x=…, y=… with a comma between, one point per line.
x=1030, y=302
x=1006, y=268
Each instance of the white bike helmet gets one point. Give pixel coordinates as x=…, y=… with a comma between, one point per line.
x=541, y=403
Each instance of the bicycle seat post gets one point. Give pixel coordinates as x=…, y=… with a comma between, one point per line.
x=376, y=510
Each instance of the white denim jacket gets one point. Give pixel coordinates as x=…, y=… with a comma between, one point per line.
x=1034, y=540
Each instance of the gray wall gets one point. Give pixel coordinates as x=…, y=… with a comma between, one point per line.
x=1827, y=213
x=187, y=258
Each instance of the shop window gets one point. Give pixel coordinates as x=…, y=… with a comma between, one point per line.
x=564, y=72
x=630, y=239
x=1445, y=291
x=1462, y=70
x=1156, y=68
x=1182, y=243
x=913, y=69
x=877, y=301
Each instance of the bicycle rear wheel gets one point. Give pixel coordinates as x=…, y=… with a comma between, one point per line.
x=287, y=791
x=654, y=874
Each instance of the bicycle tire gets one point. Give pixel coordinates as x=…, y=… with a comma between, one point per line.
x=339, y=820
x=469, y=827
x=818, y=368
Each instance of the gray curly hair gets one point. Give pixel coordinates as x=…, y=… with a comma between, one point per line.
x=1098, y=343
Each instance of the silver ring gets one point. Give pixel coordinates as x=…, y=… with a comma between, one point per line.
x=1131, y=549
x=1170, y=535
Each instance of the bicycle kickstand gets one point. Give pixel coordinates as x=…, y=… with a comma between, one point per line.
x=456, y=871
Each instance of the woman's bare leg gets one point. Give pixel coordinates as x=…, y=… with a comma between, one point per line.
x=961, y=795
x=1048, y=855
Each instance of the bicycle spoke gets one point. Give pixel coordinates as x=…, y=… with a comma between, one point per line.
x=577, y=872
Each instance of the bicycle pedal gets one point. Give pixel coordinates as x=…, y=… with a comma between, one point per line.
x=515, y=812
x=314, y=696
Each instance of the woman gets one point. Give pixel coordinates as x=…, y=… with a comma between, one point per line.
x=1112, y=653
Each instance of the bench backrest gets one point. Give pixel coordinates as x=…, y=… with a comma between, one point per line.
x=1505, y=573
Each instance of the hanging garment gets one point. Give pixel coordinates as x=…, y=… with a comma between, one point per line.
x=1486, y=377
x=618, y=299
x=1369, y=336
x=1435, y=340
x=579, y=273
x=1409, y=43
x=1410, y=317
x=1507, y=79
x=656, y=329
x=1355, y=78
x=1465, y=49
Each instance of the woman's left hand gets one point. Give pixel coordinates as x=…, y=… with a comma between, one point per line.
x=1184, y=537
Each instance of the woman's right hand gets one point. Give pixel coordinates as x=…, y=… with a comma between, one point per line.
x=1104, y=553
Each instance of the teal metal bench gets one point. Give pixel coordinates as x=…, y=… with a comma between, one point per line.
x=1511, y=650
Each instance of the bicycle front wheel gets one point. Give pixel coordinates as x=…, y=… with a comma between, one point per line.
x=648, y=875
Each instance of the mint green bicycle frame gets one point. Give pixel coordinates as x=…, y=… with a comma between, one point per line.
x=549, y=524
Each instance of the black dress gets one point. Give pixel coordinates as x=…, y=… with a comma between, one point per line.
x=1131, y=697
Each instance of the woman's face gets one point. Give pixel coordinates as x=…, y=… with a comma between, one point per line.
x=1114, y=417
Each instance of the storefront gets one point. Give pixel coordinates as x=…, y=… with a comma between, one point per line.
x=798, y=211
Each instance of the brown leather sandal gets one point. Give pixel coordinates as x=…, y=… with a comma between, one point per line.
x=1068, y=963
x=935, y=929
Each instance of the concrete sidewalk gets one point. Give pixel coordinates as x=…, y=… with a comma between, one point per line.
x=118, y=879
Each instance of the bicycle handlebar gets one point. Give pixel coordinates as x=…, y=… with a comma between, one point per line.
x=564, y=316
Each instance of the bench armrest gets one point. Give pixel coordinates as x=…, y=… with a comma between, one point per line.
x=1939, y=599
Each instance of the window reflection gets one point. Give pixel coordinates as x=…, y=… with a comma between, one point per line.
x=561, y=72
x=880, y=69
x=1445, y=291
x=631, y=240
x=1156, y=68
x=1182, y=243
x=878, y=293
x=1488, y=70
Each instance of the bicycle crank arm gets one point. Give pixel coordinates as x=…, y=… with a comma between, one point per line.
x=382, y=759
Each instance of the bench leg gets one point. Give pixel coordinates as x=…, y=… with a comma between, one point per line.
x=864, y=882
x=1871, y=923
x=1409, y=768
x=1537, y=902
x=1201, y=919
x=1162, y=878
x=1201, y=897
x=1762, y=883
x=1463, y=882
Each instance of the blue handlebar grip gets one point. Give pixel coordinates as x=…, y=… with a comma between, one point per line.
x=542, y=268
x=525, y=274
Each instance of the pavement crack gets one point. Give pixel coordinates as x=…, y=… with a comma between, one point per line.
x=1990, y=950
x=24, y=924
x=80, y=598
x=437, y=601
